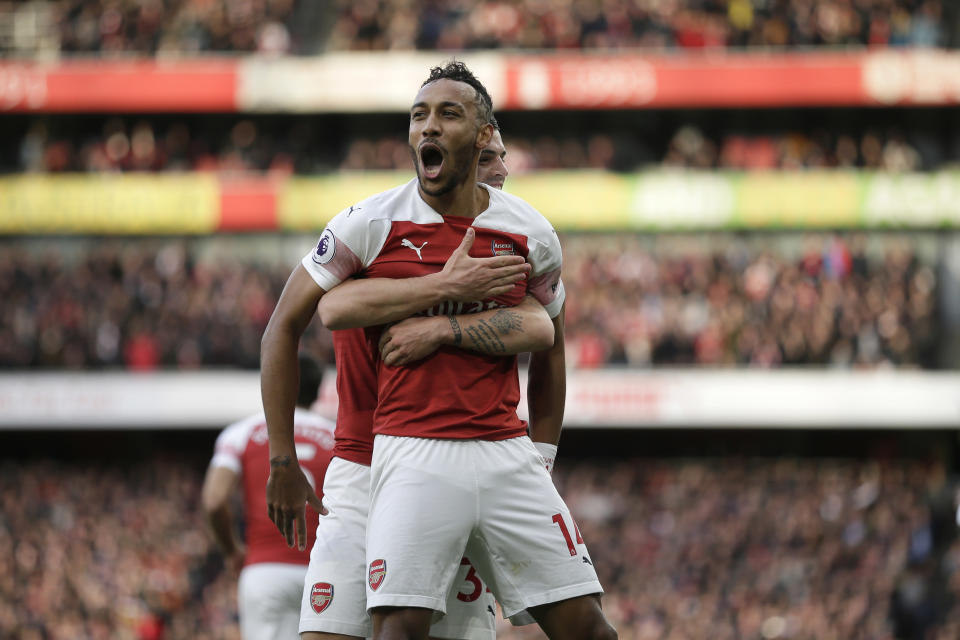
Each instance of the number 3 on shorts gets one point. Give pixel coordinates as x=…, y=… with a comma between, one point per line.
x=473, y=579
x=558, y=518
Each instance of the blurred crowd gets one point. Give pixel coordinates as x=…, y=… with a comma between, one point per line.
x=142, y=145
x=139, y=305
x=772, y=548
x=111, y=27
x=720, y=548
x=888, y=151
x=110, y=553
x=758, y=301
x=689, y=147
x=749, y=301
x=147, y=146
x=270, y=26
x=652, y=24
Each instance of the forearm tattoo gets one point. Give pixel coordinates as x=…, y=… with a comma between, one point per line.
x=457, y=335
x=506, y=321
x=485, y=339
x=280, y=461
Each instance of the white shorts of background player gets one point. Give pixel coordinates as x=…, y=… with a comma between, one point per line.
x=268, y=599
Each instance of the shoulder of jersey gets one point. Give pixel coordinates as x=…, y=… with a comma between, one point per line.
x=246, y=424
x=311, y=419
x=384, y=204
x=238, y=433
x=523, y=212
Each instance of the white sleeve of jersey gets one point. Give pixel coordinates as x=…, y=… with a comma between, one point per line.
x=229, y=448
x=546, y=260
x=347, y=245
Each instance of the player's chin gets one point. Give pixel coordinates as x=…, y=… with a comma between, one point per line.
x=437, y=186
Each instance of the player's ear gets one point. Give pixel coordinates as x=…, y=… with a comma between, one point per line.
x=484, y=135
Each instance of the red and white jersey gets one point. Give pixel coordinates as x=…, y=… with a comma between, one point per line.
x=244, y=448
x=395, y=234
x=357, y=361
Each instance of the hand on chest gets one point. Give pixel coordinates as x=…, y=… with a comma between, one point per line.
x=413, y=250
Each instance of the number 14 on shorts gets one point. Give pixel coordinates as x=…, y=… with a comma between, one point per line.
x=558, y=519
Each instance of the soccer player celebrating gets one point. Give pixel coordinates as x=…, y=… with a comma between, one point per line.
x=337, y=562
x=271, y=574
x=452, y=464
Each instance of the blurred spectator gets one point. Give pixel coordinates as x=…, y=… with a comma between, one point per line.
x=756, y=301
x=719, y=548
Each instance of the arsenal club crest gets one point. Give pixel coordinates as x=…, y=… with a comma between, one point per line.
x=378, y=569
x=501, y=248
x=321, y=595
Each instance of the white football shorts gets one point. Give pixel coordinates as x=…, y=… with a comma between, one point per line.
x=268, y=599
x=431, y=497
x=334, y=597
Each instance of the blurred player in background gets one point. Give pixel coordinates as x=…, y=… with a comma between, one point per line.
x=334, y=601
x=271, y=573
x=547, y=375
x=460, y=410
x=491, y=168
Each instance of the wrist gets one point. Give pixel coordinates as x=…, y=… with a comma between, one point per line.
x=437, y=288
x=548, y=454
x=283, y=461
x=452, y=332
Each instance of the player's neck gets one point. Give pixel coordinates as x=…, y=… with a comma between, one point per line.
x=466, y=201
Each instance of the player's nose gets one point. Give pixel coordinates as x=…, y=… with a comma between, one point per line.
x=431, y=126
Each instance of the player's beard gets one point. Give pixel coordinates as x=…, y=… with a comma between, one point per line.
x=457, y=169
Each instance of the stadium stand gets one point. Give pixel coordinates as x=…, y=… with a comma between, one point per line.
x=756, y=191
x=733, y=546
x=308, y=146
x=836, y=300
x=281, y=26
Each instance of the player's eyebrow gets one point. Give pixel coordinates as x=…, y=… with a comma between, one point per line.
x=444, y=104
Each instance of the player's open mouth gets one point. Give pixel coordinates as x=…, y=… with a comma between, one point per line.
x=431, y=159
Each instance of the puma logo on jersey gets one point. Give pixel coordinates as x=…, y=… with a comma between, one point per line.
x=409, y=245
x=586, y=560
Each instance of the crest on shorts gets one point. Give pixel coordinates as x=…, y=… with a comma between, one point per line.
x=321, y=595
x=501, y=248
x=378, y=569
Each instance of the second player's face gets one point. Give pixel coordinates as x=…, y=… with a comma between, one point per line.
x=491, y=169
x=445, y=135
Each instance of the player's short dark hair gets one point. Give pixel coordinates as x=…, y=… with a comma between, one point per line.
x=311, y=375
x=458, y=71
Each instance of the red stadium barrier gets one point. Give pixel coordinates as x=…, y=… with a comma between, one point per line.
x=622, y=81
x=119, y=86
x=617, y=82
